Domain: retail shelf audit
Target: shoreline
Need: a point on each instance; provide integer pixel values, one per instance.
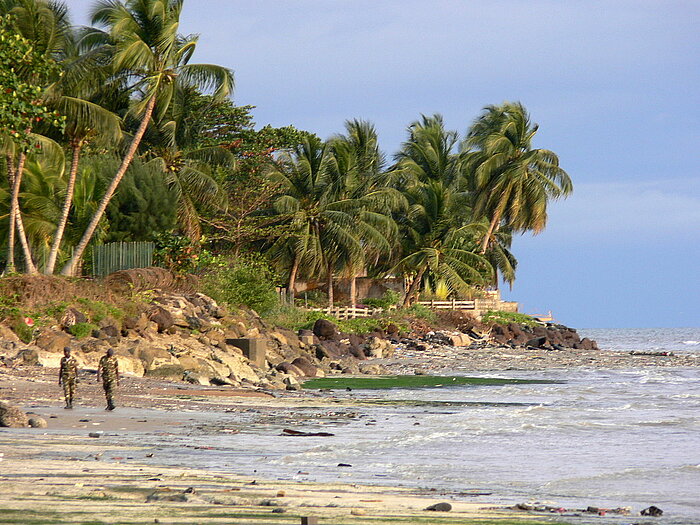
(40, 467)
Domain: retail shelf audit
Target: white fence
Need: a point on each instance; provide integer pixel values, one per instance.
(348, 312)
(449, 305)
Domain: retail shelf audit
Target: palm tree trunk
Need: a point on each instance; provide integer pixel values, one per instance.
(415, 285)
(71, 265)
(492, 228)
(330, 285)
(10, 266)
(293, 276)
(58, 237)
(353, 290)
(16, 220)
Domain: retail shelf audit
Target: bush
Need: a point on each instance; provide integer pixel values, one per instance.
(389, 299)
(499, 317)
(24, 331)
(247, 282)
(81, 330)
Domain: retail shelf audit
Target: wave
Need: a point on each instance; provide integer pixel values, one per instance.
(691, 343)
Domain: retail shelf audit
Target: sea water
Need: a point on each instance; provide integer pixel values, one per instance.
(604, 438)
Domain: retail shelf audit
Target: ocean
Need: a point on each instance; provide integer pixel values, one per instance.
(603, 438)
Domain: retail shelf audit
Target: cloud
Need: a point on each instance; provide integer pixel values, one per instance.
(629, 211)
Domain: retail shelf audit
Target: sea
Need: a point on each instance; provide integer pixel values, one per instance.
(601, 438)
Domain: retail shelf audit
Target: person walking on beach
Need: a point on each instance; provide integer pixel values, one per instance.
(68, 376)
(108, 370)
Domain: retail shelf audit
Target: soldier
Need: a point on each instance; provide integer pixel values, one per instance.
(68, 376)
(108, 370)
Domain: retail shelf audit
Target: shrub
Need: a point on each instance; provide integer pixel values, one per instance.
(81, 330)
(24, 331)
(499, 317)
(389, 299)
(248, 282)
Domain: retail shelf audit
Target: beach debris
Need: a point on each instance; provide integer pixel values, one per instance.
(278, 510)
(344, 465)
(37, 422)
(539, 507)
(309, 520)
(652, 511)
(440, 507)
(358, 512)
(653, 354)
(95, 434)
(281, 494)
(290, 432)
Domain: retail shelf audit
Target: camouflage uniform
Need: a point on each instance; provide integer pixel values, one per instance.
(109, 370)
(68, 376)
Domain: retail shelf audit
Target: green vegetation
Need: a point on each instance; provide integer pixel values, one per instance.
(112, 133)
(417, 381)
(82, 330)
(498, 317)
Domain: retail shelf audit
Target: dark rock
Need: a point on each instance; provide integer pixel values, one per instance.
(392, 329)
(162, 317)
(324, 329)
(308, 368)
(536, 342)
(440, 507)
(652, 511)
(53, 341)
(139, 322)
(109, 331)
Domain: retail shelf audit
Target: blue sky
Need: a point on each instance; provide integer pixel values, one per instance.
(614, 86)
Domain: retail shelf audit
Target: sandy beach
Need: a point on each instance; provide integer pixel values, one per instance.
(75, 472)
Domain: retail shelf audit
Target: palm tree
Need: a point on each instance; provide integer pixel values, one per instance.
(437, 230)
(512, 181)
(356, 173)
(45, 24)
(144, 35)
(77, 97)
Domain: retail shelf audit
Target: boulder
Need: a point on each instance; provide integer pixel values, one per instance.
(459, 340)
(325, 329)
(139, 322)
(28, 356)
(378, 347)
(162, 317)
(37, 422)
(53, 341)
(307, 367)
(536, 342)
(12, 417)
(440, 507)
(155, 357)
(72, 316)
(288, 368)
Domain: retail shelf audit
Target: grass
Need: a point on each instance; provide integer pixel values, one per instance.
(498, 317)
(417, 381)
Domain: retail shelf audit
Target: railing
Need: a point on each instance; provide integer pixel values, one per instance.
(449, 305)
(348, 312)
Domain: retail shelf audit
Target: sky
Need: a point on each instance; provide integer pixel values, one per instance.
(614, 86)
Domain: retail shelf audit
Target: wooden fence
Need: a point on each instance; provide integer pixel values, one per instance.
(115, 256)
(449, 305)
(348, 312)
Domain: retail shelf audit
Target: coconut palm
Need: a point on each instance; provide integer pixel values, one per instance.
(437, 229)
(512, 181)
(147, 45)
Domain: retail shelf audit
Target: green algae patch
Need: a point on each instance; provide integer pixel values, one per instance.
(415, 381)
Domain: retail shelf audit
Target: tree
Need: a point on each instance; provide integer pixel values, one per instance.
(512, 181)
(26, 65)
(437, 230)
(144, 35)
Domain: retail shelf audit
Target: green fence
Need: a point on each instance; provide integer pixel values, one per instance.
(114, 256)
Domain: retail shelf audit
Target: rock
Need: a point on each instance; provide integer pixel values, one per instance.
(12, 417)
(162, 317)
(440, 507)
(307, 367)
(459, 340)
(325, 329)
(72, 316)
(653, 511)
(378, 348)
(37, 422)
(288, 368)
(28, 356)
(536, 342)
(53, 341)
(153, 358)
(371, 369)
(108, 331)
(196, 378)
(291, 383)
(135, 323)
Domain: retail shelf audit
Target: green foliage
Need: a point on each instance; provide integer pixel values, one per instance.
(389, 299)
(499, 317)
(247, 281)
(9, 306)
(24, 331)
(415, 381)
(419, 311)
(24, 74)
(82, 330)
(96, 311)
(180, 254)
